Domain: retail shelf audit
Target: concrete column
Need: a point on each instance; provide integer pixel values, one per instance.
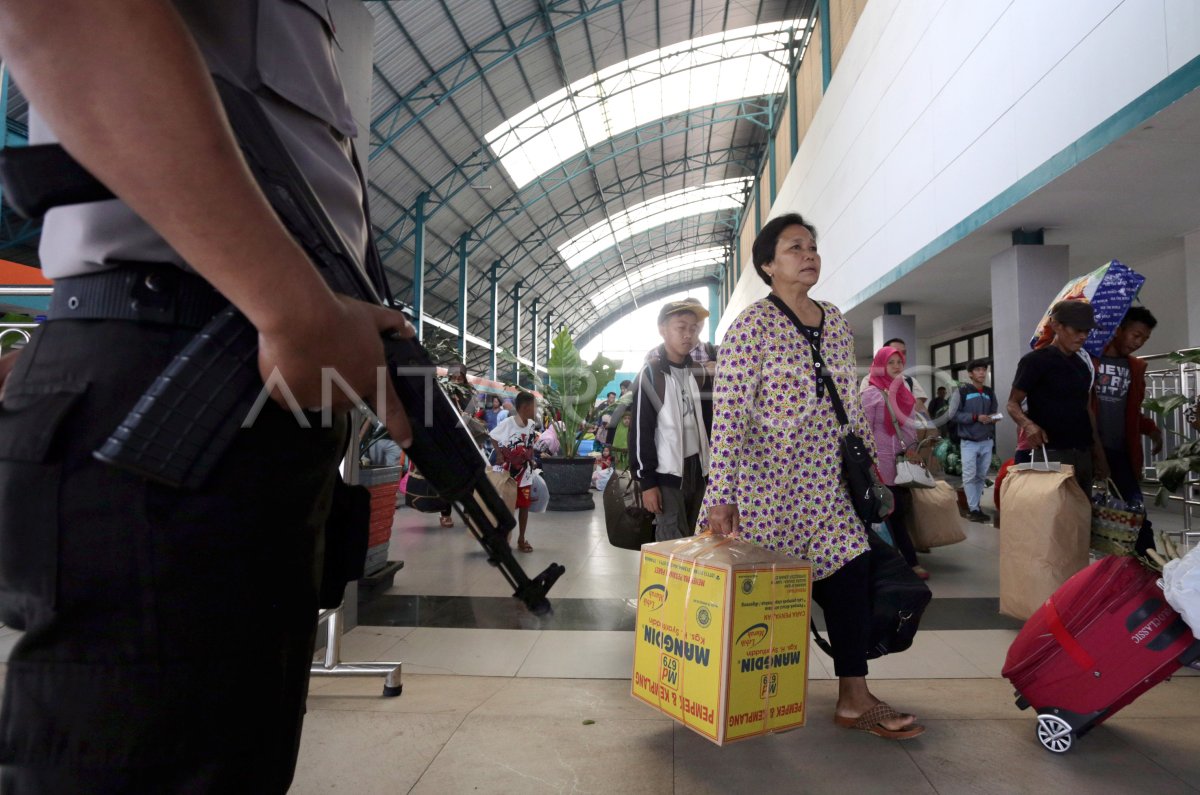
(714, 309)
(533, 322)
(418, 296)
(549, 334)
(3, 116)
(897, 326)
(494, 282)
(1025, 280)
(516, 332)
(1191, 276)
(462, 296)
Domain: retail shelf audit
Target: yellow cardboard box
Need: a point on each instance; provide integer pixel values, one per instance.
(722, 636)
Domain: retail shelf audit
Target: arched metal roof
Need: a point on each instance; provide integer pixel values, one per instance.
(450, 72)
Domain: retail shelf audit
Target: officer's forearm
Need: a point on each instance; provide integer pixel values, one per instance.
(123, 86)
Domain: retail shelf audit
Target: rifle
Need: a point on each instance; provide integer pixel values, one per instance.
(186, 420)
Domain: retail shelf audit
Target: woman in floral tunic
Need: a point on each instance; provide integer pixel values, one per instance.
(775, 474)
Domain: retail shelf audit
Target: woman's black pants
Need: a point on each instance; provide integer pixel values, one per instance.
(845, 599)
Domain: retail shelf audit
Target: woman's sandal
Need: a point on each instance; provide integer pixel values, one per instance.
(447, 521)
(871, 721)
(524, 546)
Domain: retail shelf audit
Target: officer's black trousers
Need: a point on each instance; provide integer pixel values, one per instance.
(168, 634)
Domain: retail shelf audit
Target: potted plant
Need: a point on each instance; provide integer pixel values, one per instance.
(568, 392)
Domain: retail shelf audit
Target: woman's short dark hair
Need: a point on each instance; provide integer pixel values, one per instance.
(763, 250)
(523, 399)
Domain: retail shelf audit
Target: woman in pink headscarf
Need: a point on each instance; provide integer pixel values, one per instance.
(889, 407)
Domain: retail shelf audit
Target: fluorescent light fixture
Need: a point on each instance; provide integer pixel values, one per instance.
(684, 203)
(722, 67)
(693, 260)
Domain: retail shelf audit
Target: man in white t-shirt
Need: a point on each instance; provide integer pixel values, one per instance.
(514, 437)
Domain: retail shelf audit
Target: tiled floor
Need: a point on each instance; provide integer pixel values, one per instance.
(518, 721)
(498, 701)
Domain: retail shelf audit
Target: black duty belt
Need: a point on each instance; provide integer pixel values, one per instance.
(159, 294)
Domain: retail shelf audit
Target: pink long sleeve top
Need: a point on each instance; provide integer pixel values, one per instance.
(887, 445)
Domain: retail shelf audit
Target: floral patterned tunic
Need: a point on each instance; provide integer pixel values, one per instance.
(774, 445)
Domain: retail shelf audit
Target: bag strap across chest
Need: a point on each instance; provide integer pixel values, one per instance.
(821, 369)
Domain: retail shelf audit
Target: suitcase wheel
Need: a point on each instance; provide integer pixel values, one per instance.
(1054, 733)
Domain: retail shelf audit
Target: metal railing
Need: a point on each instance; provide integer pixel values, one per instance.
(1164, 378)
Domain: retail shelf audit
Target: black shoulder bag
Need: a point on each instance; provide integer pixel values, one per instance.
(898, 596)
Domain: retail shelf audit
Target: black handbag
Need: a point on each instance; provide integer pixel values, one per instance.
(629, 525)
(898, 600)
(872, 500)
(421, 496)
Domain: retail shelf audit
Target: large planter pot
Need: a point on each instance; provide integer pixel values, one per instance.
(382, 483)
(569, 481)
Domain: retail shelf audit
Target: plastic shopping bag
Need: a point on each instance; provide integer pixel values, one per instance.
(1181, 586)
(1110, 289)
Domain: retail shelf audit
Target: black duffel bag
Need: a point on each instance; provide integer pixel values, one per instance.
(629, 525)
(898, 599)
(418, 494)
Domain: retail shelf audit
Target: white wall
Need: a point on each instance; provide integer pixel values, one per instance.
(938, 106)
(1161, 294)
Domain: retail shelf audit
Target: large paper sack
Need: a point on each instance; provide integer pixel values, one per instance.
(1044, 532)
(935, 521)
(1110, 289)
(505, 486)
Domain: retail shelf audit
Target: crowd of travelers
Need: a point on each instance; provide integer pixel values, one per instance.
(750, 447)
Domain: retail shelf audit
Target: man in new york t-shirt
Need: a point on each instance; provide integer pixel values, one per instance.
(1120, 388)
(1055, 384)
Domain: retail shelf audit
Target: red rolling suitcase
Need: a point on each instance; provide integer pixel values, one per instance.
(1104, 638)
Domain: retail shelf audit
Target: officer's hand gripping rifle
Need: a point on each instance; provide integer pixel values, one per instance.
(185, 421)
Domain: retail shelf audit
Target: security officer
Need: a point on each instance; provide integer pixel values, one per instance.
(169, 633)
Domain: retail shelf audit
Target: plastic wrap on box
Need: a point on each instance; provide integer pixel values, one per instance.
(721, 641)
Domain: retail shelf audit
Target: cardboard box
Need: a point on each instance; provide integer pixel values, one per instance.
(721, 641)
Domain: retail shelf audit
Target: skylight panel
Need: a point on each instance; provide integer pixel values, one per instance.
(649, 214)
(658, 270)
(720, 67)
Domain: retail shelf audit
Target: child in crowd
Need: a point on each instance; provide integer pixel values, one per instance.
(514, 437)
(602, 470)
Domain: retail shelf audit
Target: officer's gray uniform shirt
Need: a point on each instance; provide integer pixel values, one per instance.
(283, 51)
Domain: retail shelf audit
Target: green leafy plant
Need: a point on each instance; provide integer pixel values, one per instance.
(570, 387)
(1173, 472)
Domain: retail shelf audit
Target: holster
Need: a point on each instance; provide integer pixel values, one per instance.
(346, 532)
